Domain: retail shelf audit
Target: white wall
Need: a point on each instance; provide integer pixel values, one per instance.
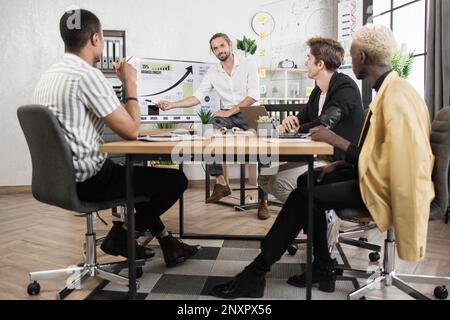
(170, 29)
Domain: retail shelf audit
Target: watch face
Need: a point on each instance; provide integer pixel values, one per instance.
(263, 23)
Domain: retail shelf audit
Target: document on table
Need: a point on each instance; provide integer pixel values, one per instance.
(280, 141)
(170, 138)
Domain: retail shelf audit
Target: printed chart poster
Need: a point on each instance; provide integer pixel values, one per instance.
(171, 80)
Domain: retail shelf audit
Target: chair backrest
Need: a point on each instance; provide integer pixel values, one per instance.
(440, 143)
(53, 179)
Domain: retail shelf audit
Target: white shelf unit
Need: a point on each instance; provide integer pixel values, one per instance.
(286, 99)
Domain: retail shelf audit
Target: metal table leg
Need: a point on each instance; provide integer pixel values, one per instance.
(310, 227)
(131, 229)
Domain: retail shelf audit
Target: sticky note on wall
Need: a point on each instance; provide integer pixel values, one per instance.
(262, 73)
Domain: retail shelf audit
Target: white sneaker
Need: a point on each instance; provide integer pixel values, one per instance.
(333, 224)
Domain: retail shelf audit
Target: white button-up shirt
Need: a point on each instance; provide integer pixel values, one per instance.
(243, 82)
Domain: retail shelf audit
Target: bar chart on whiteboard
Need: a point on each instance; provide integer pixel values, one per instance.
(171, 80)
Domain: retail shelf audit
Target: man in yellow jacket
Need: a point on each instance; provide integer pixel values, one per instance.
(389, 173)
(395, 160)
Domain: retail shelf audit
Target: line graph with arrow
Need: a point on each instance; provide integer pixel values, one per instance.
(172, 80)
(188, 72)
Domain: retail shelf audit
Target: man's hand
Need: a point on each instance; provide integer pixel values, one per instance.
(323, 134)
(291, 124)
(126, 72)
(280, 129)
(165, 105)
(337, 165)
(222, 114)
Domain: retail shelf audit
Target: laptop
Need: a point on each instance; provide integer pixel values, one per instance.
(252, 114)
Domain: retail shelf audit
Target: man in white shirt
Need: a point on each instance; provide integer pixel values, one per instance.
(236, 81)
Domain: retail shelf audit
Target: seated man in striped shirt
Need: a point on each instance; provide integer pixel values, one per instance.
(83, 102)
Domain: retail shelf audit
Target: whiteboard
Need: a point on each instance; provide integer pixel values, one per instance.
(171, 80)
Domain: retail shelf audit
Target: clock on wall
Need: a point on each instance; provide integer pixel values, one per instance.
(263, 23)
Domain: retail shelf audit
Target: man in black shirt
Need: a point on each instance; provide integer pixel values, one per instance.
(335, 103)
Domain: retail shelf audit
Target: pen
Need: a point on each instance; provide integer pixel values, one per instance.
(115, 63)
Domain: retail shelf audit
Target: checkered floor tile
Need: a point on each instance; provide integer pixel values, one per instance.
(217, 262)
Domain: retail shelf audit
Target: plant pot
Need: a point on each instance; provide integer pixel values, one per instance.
(207, 130)
(266, 130)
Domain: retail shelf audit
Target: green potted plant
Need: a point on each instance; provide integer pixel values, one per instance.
(247, 45)
(206, 129)
(265, 127)
(402, 61)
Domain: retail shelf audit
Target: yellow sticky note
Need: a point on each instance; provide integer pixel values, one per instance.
(263, 19)
(262, 73)
(262, 52)
(262, 36)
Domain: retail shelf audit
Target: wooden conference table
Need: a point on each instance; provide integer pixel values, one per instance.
(231, 149)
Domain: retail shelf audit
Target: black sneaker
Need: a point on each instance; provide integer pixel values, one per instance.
(116, 244)
(175, 251)
(323, 274)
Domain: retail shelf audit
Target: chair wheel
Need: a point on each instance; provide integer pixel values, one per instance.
(139, 272)
(441, 292)
(292, 250)
(34, 288)
(374, 256)
(363, 239)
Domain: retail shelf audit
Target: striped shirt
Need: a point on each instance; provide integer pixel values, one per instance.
(80, 97)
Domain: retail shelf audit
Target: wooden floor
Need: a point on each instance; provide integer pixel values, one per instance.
(35, 236)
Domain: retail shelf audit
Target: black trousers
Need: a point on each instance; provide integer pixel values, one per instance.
(164, 186)
(338, 190)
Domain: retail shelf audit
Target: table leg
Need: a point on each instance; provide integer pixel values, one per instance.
(131, 229)
(181, 209)
(310, 227)
(207, 182)
(242, 181)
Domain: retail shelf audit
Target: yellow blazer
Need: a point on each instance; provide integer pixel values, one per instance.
(395, 166)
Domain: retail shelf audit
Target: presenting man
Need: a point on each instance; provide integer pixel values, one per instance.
(236, 81)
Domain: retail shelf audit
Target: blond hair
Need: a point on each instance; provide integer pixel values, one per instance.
(378, 43)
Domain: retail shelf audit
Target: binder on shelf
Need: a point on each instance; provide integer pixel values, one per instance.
(110, 55)
(117, 51)
(104, 62)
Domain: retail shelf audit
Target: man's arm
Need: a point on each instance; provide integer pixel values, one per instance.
(202, 90)
(323, 134)
(247, 102)
(125, 121)
(185, 103)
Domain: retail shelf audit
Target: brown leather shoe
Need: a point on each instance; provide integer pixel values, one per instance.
(263, 211)
(219, 192)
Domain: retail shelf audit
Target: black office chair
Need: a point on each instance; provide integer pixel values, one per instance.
(386, 275)
(53, 182)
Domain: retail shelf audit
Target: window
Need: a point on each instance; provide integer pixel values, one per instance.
(408, 21)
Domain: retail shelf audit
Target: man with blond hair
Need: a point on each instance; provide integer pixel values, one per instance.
(388, 173)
